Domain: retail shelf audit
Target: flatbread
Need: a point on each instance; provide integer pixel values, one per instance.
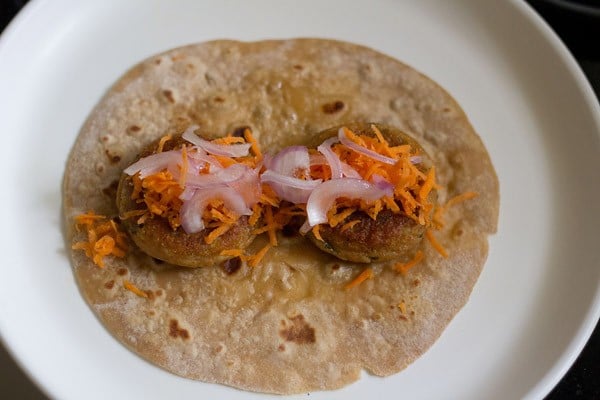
(286, 326)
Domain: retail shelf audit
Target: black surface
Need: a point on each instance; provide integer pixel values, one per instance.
(577, 22)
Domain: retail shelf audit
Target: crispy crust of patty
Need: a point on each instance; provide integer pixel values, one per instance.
(388, 237)
(156, 238)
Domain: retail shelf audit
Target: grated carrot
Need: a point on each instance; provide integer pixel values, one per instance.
(316, 230)
(161, 143)
(438, 214)
(270, 223)
(256, 213)
(253, 143)
(215, 233)
(229, 140)
(134, 289)
(403, 268)
(402, 307)
(428, 185)
(367, 273)
(256, 258)
(234, 253)
(103, 239)
(436, 245)
(349, 225)
(338, 218)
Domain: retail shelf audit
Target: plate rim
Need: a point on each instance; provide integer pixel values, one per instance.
(592, 317)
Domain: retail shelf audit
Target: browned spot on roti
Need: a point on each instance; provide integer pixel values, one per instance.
(175, 331)
(298, 67)
(169, 95)
(150, 294)
(218, 99)
(122, 271)
(110, 284)
(403, 318)
(281, 347)
(335, 267)
(158, 61)
(333, 107)
(159, 292)
(299, 331)
(113, 158)
(232, 265)
(416, 282)
(133, 129)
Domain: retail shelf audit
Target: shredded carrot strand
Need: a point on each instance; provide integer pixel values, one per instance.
(134, 289)
(255, 259)
(349, 225)
(215, 233)
(436, 245)
(229, 140)
(367, 273)
(161, 143)
(253, 143)
(403, 268)
(103, 238)
(271, 226)
(316, 230)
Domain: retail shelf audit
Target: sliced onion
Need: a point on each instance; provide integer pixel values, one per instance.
(237, 176)
(332, 159)
(289, 188)
(347, 170)
(291, 161)
(193, 209)
(200, 156)
(229, 150)
(317, 159)
(155, 163)
(361, 149)
(247, 185)
(416, 159)
(305, 227)
(323, 197)
(350, 172)
(381, 182)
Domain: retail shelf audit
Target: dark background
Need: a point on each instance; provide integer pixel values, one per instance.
(577, 22)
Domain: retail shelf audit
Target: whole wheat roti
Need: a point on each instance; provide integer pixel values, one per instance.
(286, 326)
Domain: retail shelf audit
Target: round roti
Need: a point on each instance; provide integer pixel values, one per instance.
(287, 325)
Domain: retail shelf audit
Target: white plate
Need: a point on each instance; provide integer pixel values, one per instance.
(538, 297)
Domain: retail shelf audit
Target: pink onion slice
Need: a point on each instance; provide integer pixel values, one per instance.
(237, 176)
(381, 182)
(192, 210)
(155, 163)
(288, 188)
(292, 161)
(416, 159)
(229, 150)
(198, 156)
(332, 159)
(350, 172)
(247, 184)
(347, 170)
(323, 197)
(361, 149)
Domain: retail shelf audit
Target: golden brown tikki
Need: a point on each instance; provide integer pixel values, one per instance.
(181, 204)
(378, 197)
